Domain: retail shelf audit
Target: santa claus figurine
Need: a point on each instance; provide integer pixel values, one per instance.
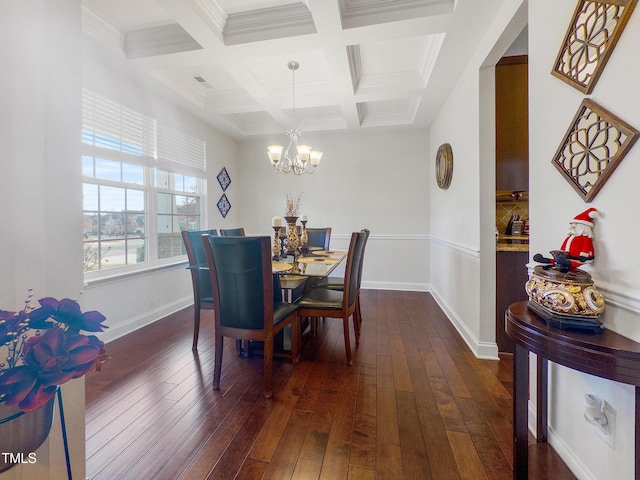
(577, 248)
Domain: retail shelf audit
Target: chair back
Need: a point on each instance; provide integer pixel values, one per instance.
(241, 280)
(198, 258)
(356, 247)
(319, 237)
(366, 238)
(232, 232)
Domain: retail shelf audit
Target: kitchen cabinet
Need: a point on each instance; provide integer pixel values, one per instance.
(512, 124)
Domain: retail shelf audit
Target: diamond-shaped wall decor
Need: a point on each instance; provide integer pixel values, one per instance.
(224, 205)
(223, 179)
(594, 145)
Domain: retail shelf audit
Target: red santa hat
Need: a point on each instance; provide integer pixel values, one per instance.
(586, 217)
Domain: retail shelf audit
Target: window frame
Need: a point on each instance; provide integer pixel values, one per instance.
(193, 165)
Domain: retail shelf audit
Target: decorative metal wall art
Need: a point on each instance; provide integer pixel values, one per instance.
(224, 179)
(444, 166)
(594, 145)
(224, 205)
(592, 35)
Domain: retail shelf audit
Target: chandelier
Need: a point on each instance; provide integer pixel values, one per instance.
(297, 158)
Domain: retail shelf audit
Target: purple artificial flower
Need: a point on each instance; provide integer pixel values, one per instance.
(68, 311)
(49, 360)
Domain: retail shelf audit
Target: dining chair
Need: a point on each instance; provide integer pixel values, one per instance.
(337, 283)
(232, 232)
(325, 302)
(319, 237)
(242, 284)
(202, 297)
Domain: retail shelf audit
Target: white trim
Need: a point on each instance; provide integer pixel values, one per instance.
(147, 318)
(116, 277)
(567, 455)
(347, 236)
(617, 296)
(474, 252)
(400, 286)
(482, 350)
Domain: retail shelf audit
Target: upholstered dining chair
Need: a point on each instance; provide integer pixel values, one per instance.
(324, 302)
(337, 283)
(319, 237)
(202, 297)
(232, 232)
(242, 285)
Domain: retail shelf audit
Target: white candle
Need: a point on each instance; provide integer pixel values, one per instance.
(276, 222)
(303, 218)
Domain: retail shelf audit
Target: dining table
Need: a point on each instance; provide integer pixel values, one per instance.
(297, 275)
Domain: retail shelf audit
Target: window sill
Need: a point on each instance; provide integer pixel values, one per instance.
(115, 278)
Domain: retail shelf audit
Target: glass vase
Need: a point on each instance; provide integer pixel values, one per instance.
(21, 433)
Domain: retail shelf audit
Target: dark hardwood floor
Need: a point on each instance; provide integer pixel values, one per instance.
(416, 404)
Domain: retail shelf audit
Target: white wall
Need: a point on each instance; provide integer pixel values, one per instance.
(41, 181)
(462, 261)
(616, 269)
(374, 179)
(134, 301)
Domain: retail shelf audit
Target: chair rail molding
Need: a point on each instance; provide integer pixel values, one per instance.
(471, 251)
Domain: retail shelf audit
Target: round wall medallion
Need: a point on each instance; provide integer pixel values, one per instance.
(444, 165)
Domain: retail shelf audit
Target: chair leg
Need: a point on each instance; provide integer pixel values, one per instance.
(295, 340)
(217, 367)
(196, 326)
(268, 367)
(358, 312)
(314, 326)
(347, 340)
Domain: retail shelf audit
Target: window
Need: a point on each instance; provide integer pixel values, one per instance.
(143, 183)
(176, 212)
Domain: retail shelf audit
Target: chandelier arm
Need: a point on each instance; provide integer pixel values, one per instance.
(294, 159)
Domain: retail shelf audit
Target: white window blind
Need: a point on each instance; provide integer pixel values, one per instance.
(107, 124)
(180, 152)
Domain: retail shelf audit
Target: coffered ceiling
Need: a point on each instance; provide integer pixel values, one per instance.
(363, 63)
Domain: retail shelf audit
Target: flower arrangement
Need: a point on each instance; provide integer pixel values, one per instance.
(292, 205)
(37, 363)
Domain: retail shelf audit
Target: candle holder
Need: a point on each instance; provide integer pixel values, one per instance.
(293, 241)
(275, 250)
(304, 238)
(283, 239)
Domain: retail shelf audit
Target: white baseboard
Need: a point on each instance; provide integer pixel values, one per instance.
(140, 321)
(567, 455)
(483, 350)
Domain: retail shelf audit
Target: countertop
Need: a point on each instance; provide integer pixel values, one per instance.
(512, 243)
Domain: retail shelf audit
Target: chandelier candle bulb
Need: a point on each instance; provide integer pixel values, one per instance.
(314, 158)
(275, 153)
(303, 218)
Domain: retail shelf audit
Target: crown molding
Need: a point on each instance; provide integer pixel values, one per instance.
(268, 23)
(101, 30)
(213, 12)
(359, 13)
(160, 40)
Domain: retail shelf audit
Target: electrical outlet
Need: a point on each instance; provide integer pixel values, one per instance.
(608, 431)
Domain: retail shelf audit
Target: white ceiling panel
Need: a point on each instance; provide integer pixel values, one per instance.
(363, 63)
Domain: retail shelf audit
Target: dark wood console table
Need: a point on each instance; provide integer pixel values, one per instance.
(607, 355)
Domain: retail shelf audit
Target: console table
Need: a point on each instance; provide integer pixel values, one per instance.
(606, 355)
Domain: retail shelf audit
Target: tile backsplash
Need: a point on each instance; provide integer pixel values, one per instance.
(504, 210)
